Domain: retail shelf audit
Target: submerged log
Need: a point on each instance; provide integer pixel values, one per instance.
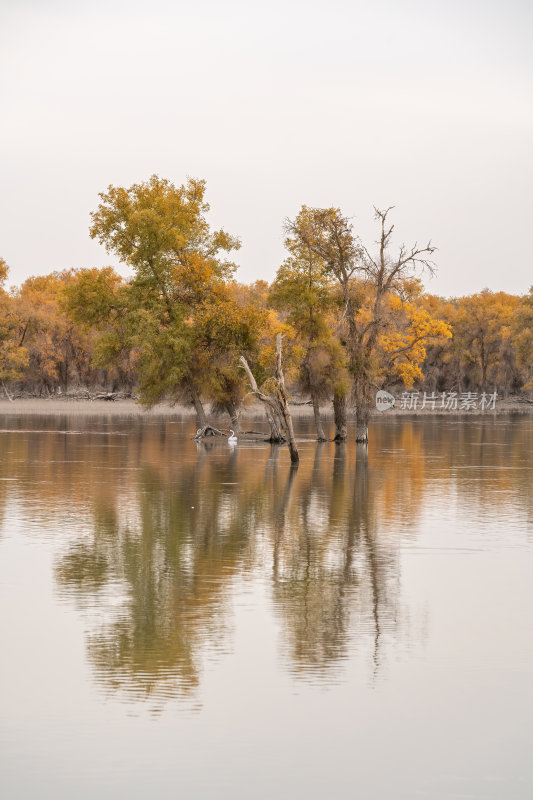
(208, 430)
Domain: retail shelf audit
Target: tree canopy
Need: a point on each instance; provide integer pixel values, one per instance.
(353, 318)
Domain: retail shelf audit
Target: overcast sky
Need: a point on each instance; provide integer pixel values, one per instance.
(419, 104)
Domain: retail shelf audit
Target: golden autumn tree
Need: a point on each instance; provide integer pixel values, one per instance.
(366, 282)
(59, 350)
(522, 335)
(97, 300)
(258, 367)
(161, 231)
(13, 354)
(482, 348)
(409, 328)
(225, 328)
(304, 292)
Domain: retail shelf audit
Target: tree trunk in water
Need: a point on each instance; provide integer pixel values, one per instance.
(293, 450)
(361, 433)
(201, 419)
(276, 405)
(339, 413)
(276, 436)
(233, 416)
(284, 405)
(320, 435)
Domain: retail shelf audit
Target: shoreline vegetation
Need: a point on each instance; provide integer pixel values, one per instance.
(81, 405)
(339, 321)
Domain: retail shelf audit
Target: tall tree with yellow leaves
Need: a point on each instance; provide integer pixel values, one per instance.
(366, 283)
(304, 292)
(59, 350)
(522, 332)
(161, 231)
(13, 354)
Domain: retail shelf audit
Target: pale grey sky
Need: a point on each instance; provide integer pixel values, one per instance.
(419, 104)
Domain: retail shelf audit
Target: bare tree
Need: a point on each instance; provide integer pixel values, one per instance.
(278, 402)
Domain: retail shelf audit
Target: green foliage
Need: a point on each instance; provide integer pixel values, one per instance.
(304, 292)
(161, 231)
(178, 311)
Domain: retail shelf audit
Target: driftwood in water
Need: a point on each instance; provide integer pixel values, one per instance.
(208, 430)
(7, 393)
(277, 405)
(106, 396)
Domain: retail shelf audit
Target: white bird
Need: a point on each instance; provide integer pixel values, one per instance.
(232, 439)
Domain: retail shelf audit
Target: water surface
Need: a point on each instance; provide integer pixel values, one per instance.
(200, 621)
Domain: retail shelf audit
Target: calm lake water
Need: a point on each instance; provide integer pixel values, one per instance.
(194, 621)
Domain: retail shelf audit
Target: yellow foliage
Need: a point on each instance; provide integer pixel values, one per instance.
(404, 347)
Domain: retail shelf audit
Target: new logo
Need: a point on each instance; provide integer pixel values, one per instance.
(384, 400)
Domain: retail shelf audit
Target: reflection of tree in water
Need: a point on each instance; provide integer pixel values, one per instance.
(161, 572)
(176, 563)
(158, 570)
(3, 482)
(334, 582)
(156, 576)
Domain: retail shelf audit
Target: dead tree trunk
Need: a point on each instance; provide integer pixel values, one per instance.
(284, 404)
(271, 413)
(276, 435)
(7, 393)
(278, 412)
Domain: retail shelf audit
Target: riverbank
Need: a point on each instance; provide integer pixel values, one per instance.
(57, 406)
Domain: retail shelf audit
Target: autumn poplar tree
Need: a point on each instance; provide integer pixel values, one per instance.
(522, 333)
(482, 325)
(99, 300)
(162, 233)
(304, 291)
(60, 351)
(13, 354)
(365, 281)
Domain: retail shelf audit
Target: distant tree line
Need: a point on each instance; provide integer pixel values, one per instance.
(352, 320)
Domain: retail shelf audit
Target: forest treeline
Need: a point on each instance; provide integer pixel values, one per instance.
(353, 319)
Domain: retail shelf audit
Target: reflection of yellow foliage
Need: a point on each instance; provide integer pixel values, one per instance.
(176, 530)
